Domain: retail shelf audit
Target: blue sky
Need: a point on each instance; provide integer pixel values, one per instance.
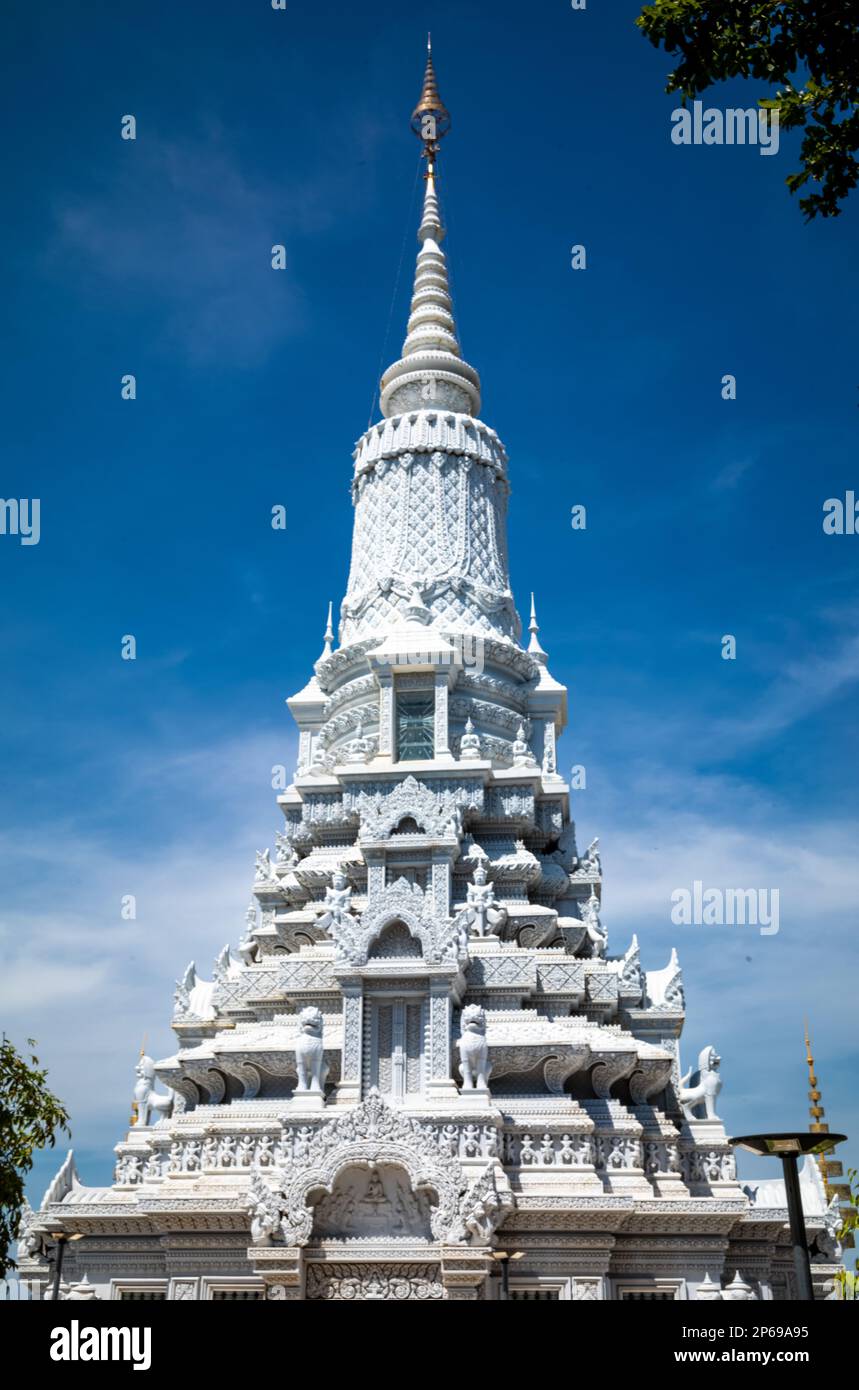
(152, 777)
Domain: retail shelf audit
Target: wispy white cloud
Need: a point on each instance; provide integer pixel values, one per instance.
(796, 678)
(185, 224)
(663, 826)
(88, 984)
(800, 688)
(43, 982)
(731, 474)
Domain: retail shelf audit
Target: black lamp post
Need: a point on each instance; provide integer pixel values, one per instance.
(62, 1239)
(789, 1148)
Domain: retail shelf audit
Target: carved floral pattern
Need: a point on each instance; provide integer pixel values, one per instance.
(365, 1282)
(437, 806)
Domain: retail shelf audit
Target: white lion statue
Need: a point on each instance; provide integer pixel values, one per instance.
(701, 1087)
(147, 1100)
(473, 1051)
(310, 1052)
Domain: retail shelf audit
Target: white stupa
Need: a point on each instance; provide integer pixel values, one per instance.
(422, 1053)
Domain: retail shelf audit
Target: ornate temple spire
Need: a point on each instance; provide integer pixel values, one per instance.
(429, 488)
(829, 1168)
(431, 372)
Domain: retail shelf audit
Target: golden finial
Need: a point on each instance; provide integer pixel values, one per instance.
(815, 1110)
(430, 118)
(829, 1168)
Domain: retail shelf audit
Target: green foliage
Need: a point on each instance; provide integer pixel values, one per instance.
(847, 1278)
(810, 50)
(30, 1117)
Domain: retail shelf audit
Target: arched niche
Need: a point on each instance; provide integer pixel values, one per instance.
(370, 1199)
(395, 941)
(371, 1135)
(407, 826)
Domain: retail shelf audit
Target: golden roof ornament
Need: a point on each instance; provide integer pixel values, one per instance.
(829, 1168)
(430, 118)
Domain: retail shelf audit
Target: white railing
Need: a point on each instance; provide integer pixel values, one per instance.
(14, 1290)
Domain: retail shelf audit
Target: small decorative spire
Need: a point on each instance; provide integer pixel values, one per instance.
(708, 1290)
(738, 1290)
(329, 633)
(534, 645)
(416, 609)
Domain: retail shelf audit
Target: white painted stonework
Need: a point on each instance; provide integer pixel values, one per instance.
(424, 1051)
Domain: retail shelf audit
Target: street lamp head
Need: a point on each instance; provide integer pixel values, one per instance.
(777, 1145)
(789, 1148)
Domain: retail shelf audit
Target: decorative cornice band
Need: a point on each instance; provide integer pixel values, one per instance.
(428, 431)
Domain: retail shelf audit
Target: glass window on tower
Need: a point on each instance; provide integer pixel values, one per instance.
(415, 725)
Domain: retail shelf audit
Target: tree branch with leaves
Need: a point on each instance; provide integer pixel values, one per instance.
(31, 1117)
(808, 48)
(846, 1279)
